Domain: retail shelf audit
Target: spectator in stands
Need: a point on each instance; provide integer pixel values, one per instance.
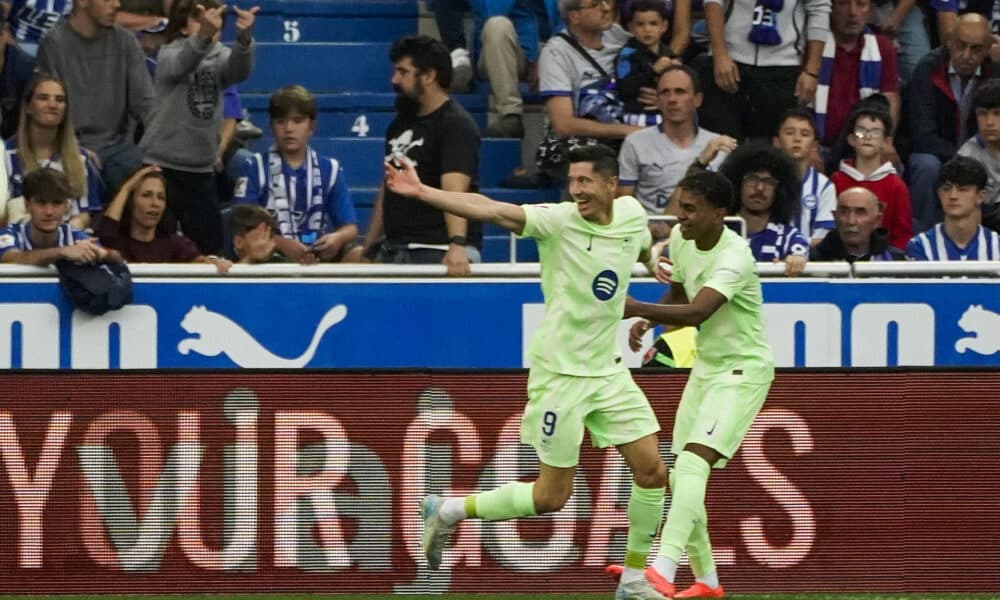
(961, 235)
(509, 34)
(449, 15)
(30, 20)
(985, 147)
(232, 152)
(253, 235)
(858, 235)
(856, 64)
(940, 115)
(869, 169)
(796, 137)
(16, 70)
(45, 139)
(767, 190)
(575, 77)
(305, 192)
(903, 21)
(437, 135)
(45, 238)
(133, 224)
(105, 73)
(182, 136)
(678, 35)
(642, 60)
(654, 159)
(765, 58)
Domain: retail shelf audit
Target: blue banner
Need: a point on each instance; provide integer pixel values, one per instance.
(435, 323)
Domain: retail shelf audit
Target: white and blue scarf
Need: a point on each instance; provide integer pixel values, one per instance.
(764, 29)
(869, 75)
(289, 224)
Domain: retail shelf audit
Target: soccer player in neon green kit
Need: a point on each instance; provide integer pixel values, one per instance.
(715, 288)
(587, 249)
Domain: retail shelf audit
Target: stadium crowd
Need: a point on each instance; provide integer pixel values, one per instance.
(850, 130)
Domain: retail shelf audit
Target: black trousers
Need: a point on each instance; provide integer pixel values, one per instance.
(192, 205)
(764, 93)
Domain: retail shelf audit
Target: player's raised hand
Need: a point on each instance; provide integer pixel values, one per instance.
(403, 181)
(245, 18)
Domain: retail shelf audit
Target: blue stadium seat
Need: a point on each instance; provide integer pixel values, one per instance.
(362, 158)
(322, 67)
(350, 114)
(335, 20)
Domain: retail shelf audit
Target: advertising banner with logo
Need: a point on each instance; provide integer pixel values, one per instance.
(435, 323)
(304, 481)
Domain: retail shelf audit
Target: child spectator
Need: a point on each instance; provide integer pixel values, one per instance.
(985, 147)
(45, 238)
(796, 137)
(182, 135)
(46, 139)
(869, 128)
(133, 224)
(253, 235)
(642, 60)
(307, 193)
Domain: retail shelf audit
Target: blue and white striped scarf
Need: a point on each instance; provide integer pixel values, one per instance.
(869, 75)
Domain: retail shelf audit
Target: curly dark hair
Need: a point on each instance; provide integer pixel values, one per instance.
(761, 156)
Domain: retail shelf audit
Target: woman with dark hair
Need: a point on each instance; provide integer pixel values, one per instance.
(133, 224)
(182, 134)
(46, 138)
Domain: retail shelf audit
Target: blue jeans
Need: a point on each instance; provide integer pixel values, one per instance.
(914, 43)
(922, 170)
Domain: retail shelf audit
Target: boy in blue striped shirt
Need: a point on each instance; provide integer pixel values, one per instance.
(960, 236)
(307, 193)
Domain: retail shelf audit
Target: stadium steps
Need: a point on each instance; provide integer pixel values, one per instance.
(362, 158)
(298, 21)
(352, 113)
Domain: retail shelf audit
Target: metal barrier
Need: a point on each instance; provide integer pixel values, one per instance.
(931, 269)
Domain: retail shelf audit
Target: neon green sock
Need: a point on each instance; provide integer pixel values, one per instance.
(699, 546)
(687, 506)
(699, 550)
(508, 501)
(645, 510)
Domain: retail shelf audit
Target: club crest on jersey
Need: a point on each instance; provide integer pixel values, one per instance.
(809, 201)
(605, 285)
(627, 246)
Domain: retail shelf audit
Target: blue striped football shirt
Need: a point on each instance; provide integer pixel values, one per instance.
(776, 241)
(819, 200)
(15, 237)
(934, 244)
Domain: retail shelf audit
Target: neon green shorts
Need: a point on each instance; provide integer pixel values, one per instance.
(717, 411)
(612, 408)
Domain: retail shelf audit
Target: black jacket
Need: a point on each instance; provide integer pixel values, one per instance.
(832, 248)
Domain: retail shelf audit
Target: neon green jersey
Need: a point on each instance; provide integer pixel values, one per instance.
(586, 268)
(733, 338)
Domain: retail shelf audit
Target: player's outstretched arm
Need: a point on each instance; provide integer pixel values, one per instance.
(405, 182)
(693, 314)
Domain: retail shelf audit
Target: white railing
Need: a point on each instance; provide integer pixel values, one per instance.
(927, 269)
